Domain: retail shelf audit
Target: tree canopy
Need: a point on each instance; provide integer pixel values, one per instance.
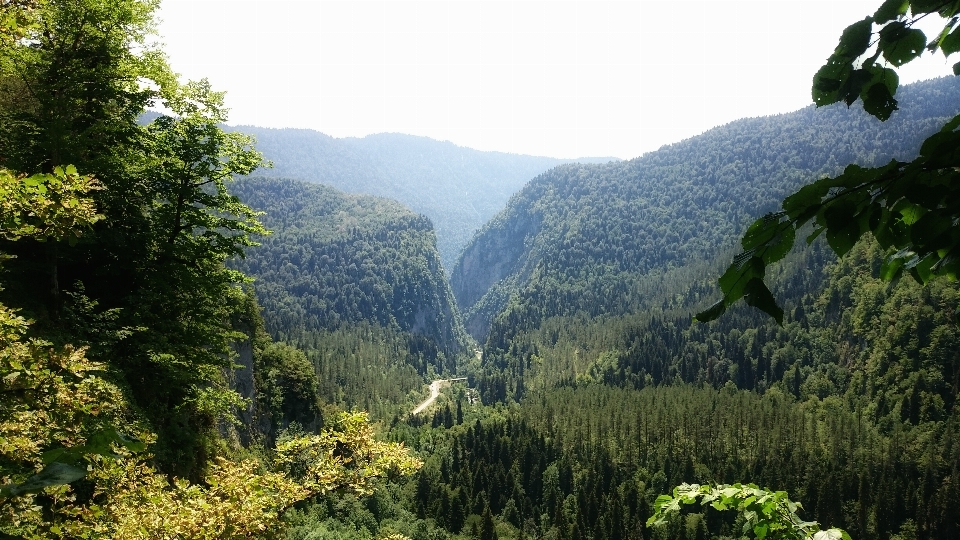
(910, 207)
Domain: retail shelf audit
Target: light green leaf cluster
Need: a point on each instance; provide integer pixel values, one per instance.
(47, 206)
(765, 513)
(344, 456)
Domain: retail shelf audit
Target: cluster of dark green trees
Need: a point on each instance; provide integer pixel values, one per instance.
(335, 260)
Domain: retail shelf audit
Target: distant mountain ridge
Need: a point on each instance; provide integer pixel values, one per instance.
(458, 188)
(336, 259)
(598, 238)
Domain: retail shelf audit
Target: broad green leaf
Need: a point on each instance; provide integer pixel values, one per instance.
(931, 231)
(910, 213)
(840, 220)
(760, 530)
(806, 201)
(758, 295)
(63, 455)
(828, 80)
(902, 46)
(842, 240)
(891, 268)
(54, 474)
(926, 6)
(853, 86)
(940, 142)
(735, 279)
(890, 10)
(879, 101)
(761, 232)
(956, 68)
(935, 42)
(950, 43)
(855, 38)
(813, 236)
(780, 245)
(952, 125)
(711, 313)
(662, 500)
(887, 76)
(921, 268)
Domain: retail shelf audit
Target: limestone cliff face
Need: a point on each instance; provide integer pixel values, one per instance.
(255, 423)
(491, 265)
(435, 314)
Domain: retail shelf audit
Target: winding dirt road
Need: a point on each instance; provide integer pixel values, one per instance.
(435, 387)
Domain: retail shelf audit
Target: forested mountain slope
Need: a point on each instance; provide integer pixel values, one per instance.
(458, 188)
(336, 260)
(603, 239)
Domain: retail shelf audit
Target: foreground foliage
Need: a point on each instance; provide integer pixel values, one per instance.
(910, 207)
(765, 512)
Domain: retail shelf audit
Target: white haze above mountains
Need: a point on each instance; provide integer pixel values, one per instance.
(561, 79)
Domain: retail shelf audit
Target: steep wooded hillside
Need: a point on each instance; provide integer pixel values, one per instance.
(602, 239)
(338, 260)
(458, 188)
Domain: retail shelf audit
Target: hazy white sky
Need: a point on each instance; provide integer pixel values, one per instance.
(556, 78)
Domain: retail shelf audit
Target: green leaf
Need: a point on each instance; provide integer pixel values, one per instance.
(54, 474)
(758, 295)
(956, 68)
(910, 213)
(735, 279)
(853, 86)
(856, 39)
(711, 313)
(902, 45)
(842, 240)
(662, 500)
(931, 231)
(780, 245)
(890, 10)
(761, 232)
(950, 43)
(63, 455)
(806, 201)
(828, 80)
(879, 101)
(922, 268)
(843, 229)
(891, 268)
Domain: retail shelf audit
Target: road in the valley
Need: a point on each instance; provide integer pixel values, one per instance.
(435, 387)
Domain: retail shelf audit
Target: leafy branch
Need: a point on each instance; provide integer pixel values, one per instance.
(765, 512)
(911, 208)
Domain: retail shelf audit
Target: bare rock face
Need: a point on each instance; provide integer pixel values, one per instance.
(497, 253)
(254, 423)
